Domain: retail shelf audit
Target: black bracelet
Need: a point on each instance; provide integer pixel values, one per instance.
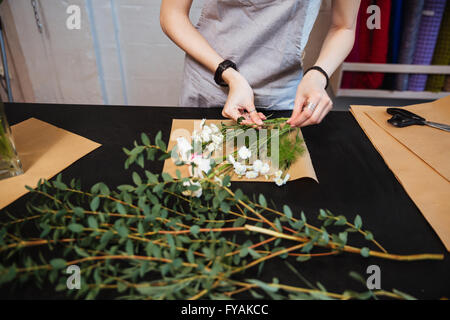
(220, 69)
(317, 68)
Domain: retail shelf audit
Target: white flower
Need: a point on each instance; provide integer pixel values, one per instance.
(231, 159)
(265, 169)
(278, 174)
(184, 148)
(217, 139)
(282, 181)
(214, 128)
(278, 181)
(239, 168)
(251, 174)
(257, 165)
(202, 123)
(261, 167)
(206, 134)
(189, 193)
(202, 165)
(244, 153)
(196, 138)
(211, 147)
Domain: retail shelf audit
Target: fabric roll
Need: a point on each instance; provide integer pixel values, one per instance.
(447, 84)
(441, 56)
(358, 53)
(379, 45)
(426, 40)
(411, 23)
(395, 34)
(394, 41)
(396, 30)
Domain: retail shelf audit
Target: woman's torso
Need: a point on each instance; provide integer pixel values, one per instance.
(265, 38)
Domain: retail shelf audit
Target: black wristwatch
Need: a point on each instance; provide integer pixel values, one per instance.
(220, 69)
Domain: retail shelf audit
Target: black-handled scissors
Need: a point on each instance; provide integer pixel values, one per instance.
(403, 118)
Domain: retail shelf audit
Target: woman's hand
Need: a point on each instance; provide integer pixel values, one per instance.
(312, 102)
(240, 101)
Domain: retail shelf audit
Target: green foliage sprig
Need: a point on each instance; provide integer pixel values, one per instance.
(291, 146)
(150, 240)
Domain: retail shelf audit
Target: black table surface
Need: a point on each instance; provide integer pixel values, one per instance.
(353, 180)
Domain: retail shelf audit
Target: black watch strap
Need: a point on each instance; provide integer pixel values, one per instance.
(317, 68)
(220, 69)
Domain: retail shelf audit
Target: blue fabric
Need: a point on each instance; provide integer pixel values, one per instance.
(396, 30)
(426, 41)
(411, 23)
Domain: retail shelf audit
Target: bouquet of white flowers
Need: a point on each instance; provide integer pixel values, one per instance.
(242, 150)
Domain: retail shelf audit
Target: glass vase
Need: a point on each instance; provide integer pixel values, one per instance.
(10, 165)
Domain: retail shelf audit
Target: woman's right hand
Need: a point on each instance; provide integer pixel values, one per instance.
(240, 101)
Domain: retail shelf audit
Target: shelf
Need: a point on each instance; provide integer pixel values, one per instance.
(361, 93)
(395, 68)
(388, 68)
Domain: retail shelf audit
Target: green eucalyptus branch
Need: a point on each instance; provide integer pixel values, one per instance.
(152, 240)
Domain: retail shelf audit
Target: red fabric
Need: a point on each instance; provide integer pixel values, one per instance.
(379, 45)
(360, 50)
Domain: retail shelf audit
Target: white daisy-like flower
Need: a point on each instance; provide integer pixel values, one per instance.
(282, 181)
(239, 168)
(206, 134)
(211, 147)
(278, 174)
(265, 169)
(189, 193)
(202, 165)
(244, 153)
(218, 180)
(251, 174)
(257, 165)
(214, 128)
(278, 181)
(217, 139)
(184, 148)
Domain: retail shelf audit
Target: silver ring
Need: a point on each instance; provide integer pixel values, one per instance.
(253, 110)
(311, 106)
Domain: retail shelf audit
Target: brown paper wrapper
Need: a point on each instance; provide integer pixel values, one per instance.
(301, 168)
(429, 144)
(44, 150)
(416, 155)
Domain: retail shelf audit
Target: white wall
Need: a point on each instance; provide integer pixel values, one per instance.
(141, 65)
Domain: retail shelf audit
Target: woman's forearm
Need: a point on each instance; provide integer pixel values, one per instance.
(336, 47)
(175, 23)
(341, 36)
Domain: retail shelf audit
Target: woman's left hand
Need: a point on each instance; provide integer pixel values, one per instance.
(312, 102)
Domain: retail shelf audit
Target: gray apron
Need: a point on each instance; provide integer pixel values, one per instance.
(265, 38)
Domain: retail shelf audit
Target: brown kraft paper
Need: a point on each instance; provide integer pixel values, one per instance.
(427, 187)
(44, 150)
